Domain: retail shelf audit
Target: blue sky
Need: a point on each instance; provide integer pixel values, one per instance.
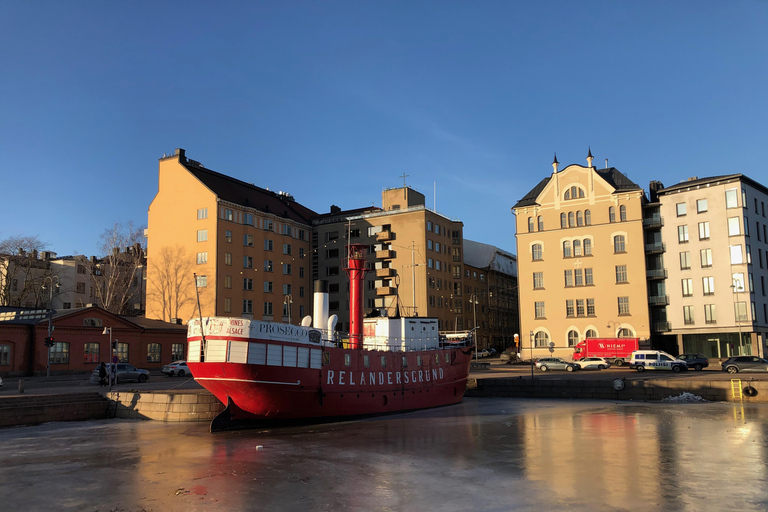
(333, 101)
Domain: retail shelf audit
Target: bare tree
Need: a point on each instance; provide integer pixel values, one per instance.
(22, 272)
(171, 284)
(118, 274)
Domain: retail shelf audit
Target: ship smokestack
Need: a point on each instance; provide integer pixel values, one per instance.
(320, 312)
(356, 271)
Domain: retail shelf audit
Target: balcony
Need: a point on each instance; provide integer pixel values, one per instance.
(655, 248)
(384, 236)
(386, 290)
(653, 222)
(386, 272)
(387, 254)
(661, 327)
(662, 300)
(656, 273)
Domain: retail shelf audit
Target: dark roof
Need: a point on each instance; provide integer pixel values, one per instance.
(148, 323)
(350, 213)
(611, 175)
(246, 194)
(714, 179)
(31, 316)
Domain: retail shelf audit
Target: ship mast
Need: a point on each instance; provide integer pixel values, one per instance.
(356, 271)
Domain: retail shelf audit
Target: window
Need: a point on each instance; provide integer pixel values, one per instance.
(740, 309)
(228, 258)
(202, 257)
(331, 235)
(248, 240)
(541, 339)
(738, 282)
(301, 253)
(536, 250)
(227, 304)
(703, 230)
(578, 279)
(177, 351)
(268, 244)
(701, 205)
(621, 273)
(732, 198)
(579, 218)
(248, 306)
(688, 315)
(587, 218)
(268, 267)
(287, 289)
(567, 249)
(287, 249)
(247, 262)
(227, 281)
(682, 234)
(733, 226)
(286, 269)
(587, 247)
(577, 247)
(530, 225)
(685, 260)
(591, 312)
(202, 281)
(541, 222)
(623, 305)
(228, 236)
(287, 230)
(226, 214)
(736, 254)
(202, 213)
(573, 338)
(591, 333)
(5, 355)
(579, 307)
(687, 287)
(268, 286)
(618, 243)
(90, 353)
(571, 220)
(539, 309)
(588, 277)
(623, 213)
(708, 285)
(563, 221)
(709, 314)
(80, 287)
(153, 353)
(202, 235)
(60, 353)
(680, 209)
(706, 258)
(248, 219)
(538, 279)
(569, 278)
(247, 284)
(611, 214)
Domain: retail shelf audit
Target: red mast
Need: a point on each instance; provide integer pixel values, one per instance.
(356, 271)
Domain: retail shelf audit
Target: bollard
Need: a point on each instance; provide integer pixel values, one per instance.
(21, 386)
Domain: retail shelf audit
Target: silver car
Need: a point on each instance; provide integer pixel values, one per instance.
(555, 363)
(594, 363)
(125, 372)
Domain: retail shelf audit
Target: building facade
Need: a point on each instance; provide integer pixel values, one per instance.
(715, 233)
(581, 260)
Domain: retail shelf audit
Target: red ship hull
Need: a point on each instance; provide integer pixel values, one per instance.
(343, 383)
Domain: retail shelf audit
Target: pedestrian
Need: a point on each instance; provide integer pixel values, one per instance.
(102, 374)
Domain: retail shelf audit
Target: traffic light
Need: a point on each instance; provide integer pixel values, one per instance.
(49, 341)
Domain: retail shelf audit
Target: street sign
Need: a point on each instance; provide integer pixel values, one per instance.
(114, 359)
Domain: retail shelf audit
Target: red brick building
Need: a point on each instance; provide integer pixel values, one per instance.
(82, 339)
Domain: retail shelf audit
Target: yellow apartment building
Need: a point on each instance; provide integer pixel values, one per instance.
(581, 260)
(249, 247)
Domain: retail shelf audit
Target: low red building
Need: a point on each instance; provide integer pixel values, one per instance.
(81, 339)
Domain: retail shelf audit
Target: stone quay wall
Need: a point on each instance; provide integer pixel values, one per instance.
(192, 405)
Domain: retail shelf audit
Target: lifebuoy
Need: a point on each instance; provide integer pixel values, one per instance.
(750, 391)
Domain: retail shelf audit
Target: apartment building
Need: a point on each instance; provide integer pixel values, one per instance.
(415, 259)
(581, 259)
(716, 237)
(248, 247)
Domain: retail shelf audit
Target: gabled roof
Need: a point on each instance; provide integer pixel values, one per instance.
(696, 182)
(530, 197)
(247, 194)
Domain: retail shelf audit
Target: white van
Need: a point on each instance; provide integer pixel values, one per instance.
(642, 360)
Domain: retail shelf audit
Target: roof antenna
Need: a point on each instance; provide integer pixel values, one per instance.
(606, 163)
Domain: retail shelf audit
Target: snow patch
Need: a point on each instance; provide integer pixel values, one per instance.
(685, 397)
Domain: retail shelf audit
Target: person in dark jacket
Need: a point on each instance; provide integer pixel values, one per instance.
(102, 374)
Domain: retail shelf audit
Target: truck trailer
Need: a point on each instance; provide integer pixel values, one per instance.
(616, 350)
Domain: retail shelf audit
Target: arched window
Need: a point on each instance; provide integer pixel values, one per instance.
(530, 224)
(153, 353)
(622, 213)
(541, 339)
(537, 252)
(587, 218)
(579, 218)
(618, 243)
(567, 249)
(587, 247)
(562, 221)
(573, 193)
(625, 333)
(541, 223)
(611, 214)
(567, 194)
(591, 333)
(577, 247)
(571, 220)
(573, 338)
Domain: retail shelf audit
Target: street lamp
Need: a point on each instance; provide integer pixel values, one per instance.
(737, 287)
(49, 340)
(287, 301)
(112, 365)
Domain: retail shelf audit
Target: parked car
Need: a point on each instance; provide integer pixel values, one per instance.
(481, 354)
(179, 368)
(555, 363)
(642, 360)
(125, 372)
(508, 356)
(745, 364)
(492, 351)
(594, 363)
(695, 361)
(1, 382)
